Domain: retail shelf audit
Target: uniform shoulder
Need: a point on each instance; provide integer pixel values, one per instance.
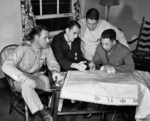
(26, 44)
(99, 47)
(123, 48)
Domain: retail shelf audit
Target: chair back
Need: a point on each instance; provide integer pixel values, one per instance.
(6, 51)
(143, 43)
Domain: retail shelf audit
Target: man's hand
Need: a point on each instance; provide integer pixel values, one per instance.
(30, 82)
(57, 76)
(79, 66)
(108, 68)
(92, 66)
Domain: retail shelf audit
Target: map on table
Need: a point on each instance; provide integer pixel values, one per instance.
(100, 87)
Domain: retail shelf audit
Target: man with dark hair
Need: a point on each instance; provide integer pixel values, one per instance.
(91, 30)
(92, 14)
(24, 65)
(66, 48)
(112, 55)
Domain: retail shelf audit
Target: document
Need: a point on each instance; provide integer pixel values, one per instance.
(101, 87)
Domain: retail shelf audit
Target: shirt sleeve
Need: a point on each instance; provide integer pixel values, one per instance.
(120, 37)
(52, 64)
(128, 66)
(9, 67)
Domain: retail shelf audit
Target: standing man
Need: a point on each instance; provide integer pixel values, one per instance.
(67, 48)
(91, 30)
(24, 64)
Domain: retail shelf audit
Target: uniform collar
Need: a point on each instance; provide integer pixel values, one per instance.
(34, 48)
(113, 48)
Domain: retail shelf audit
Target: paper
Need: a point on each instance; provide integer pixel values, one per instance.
(100, 87)
(110, 89)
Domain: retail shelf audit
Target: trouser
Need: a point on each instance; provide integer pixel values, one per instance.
(29, 95)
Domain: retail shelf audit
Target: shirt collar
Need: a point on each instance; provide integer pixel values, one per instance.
(66, 38)
(34, 47)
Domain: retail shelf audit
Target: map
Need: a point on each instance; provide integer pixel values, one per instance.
(100, 87)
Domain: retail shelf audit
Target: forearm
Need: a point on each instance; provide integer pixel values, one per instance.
(121, 38)
(12, 71)
(124, 68)
(97, 64)
(51, 61)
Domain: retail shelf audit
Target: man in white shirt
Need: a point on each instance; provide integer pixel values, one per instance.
(91, 30)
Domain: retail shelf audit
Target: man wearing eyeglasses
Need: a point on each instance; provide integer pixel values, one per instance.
(91, 30)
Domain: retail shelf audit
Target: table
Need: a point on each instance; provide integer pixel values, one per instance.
(55, 113)
(55, 100)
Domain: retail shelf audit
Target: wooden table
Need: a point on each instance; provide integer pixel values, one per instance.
(55, 101)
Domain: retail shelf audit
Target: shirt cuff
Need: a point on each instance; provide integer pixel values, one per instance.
(22, 78)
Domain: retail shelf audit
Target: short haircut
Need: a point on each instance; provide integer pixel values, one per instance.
(92, 14)
(35, 31)
(73, 23)
(109, 33)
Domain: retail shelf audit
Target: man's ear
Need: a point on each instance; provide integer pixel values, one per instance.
(114, 42)
(36, 36)
(67, 30)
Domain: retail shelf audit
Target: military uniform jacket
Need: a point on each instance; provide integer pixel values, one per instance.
(25, 60)
(119, 57)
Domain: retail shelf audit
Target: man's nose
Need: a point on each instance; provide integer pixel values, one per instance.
(48, 40)
(76, 36)
(104, 46)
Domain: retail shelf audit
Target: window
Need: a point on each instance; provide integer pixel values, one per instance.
(54, 14)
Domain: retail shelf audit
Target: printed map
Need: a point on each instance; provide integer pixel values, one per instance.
(101, 88)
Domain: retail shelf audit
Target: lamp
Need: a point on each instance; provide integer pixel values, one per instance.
(109, 3)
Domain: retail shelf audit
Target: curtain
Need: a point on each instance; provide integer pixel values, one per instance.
(28, 20)
(76, 9)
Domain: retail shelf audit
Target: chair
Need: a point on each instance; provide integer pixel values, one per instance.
(17, 101)
(141, 54)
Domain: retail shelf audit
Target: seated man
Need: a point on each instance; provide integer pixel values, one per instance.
(24, 64)
(66, 48)
(112, 55)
